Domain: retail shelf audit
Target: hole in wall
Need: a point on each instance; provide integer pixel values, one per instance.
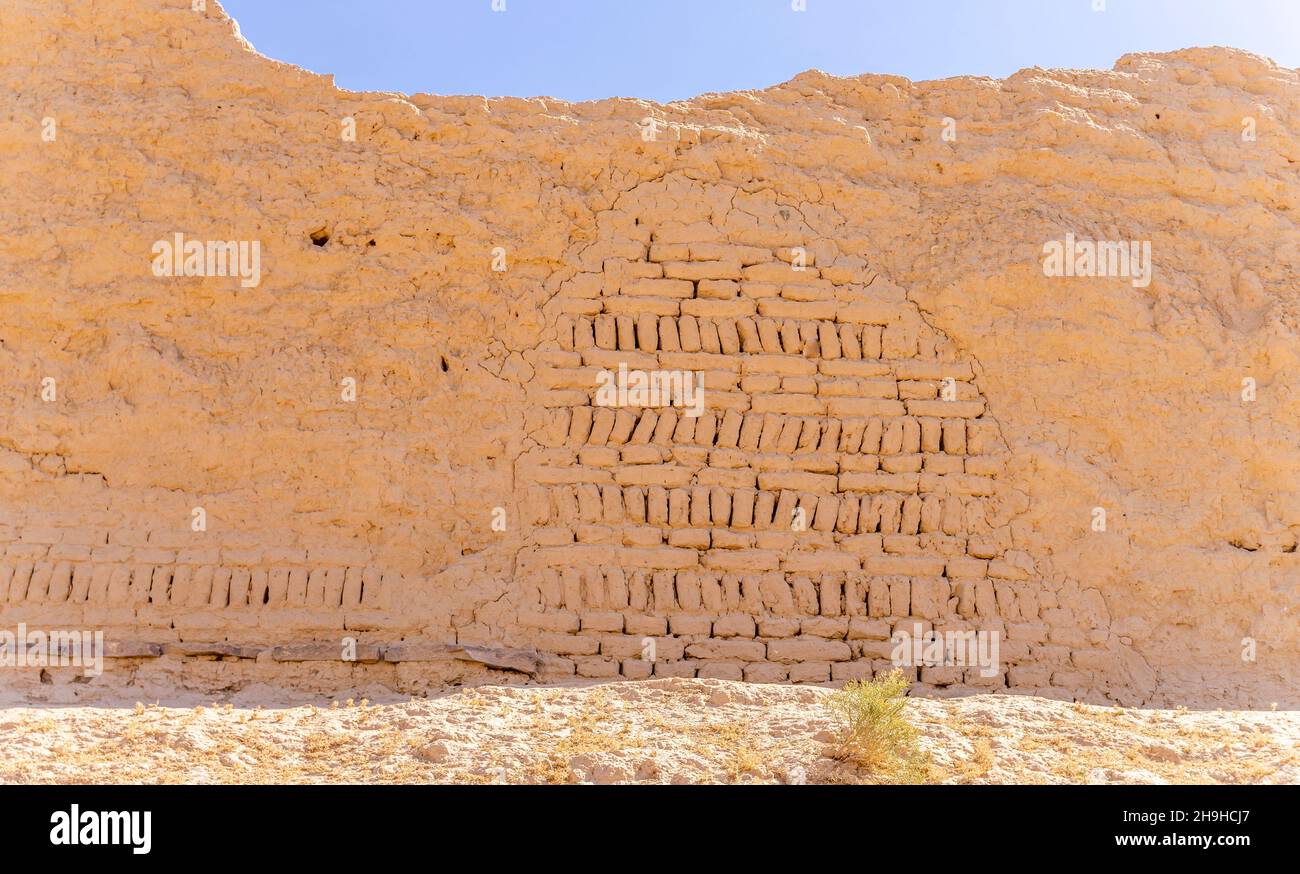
(320, 237)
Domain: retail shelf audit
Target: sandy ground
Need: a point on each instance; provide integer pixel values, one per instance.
(656, 731)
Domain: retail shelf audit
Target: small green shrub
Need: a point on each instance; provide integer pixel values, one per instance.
(872, 731)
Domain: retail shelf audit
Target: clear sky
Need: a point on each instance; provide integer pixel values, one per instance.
(673, 49)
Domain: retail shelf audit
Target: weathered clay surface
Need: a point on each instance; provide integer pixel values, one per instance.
(373, 519)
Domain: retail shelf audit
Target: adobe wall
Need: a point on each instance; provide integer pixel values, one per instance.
(818, 251)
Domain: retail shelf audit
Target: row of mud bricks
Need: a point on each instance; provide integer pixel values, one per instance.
(134, 584)
(775, 627)
(666, 515)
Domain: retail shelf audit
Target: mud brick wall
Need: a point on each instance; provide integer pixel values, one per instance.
(906, 421)
(830, 491)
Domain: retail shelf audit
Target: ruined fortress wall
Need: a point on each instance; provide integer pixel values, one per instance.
(904, 419)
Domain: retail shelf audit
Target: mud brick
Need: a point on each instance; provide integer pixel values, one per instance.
(830, 592)
(646, 626)
(810, 672)
(1070, 637)
(874, 649)
(819, 561)
(688, 591)
(670, 252)
(684, 669)
(954, 436)
(942, 675)
(964, 593)
(1014, 651)
(905, 483)
(913, 389)
(710, 591)
(929, 597)
(745, 650)
(879, 601)
(985, 599)
(868, 629)
(975, 677)
(910, 522)
(725, 313)
(558, 621)
(777, 627)
(636, 669)
(700, 539)
(900, 597)
(60, 582)
(942, 465)
(322, 652)
(720, 670)
(666, 475)
(664, 591)
(708, 331)
(1092, 659)
(602, 621)
(690, 625)
(734, 625)
(781, 308)
(826, 627)
(805, 596)
(661, 288)
(700, 506)
(766, 672)
(946, 409)
(797, 481)
(1027, 632)
(776, 272)
(1028, 675)
(566, 644)
(605, 333)
(859, 670)
(808, 649)
(753, 560)
(720, 289)
(901, 565)
(1005, 570)
(697, 270)
(1008, 609)
(728, 338)
(131, 649)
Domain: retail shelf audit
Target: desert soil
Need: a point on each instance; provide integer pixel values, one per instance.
(656, 731)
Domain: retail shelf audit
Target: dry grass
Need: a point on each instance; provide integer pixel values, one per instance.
(872, 731)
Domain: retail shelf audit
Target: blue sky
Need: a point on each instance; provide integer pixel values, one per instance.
(673, 49)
